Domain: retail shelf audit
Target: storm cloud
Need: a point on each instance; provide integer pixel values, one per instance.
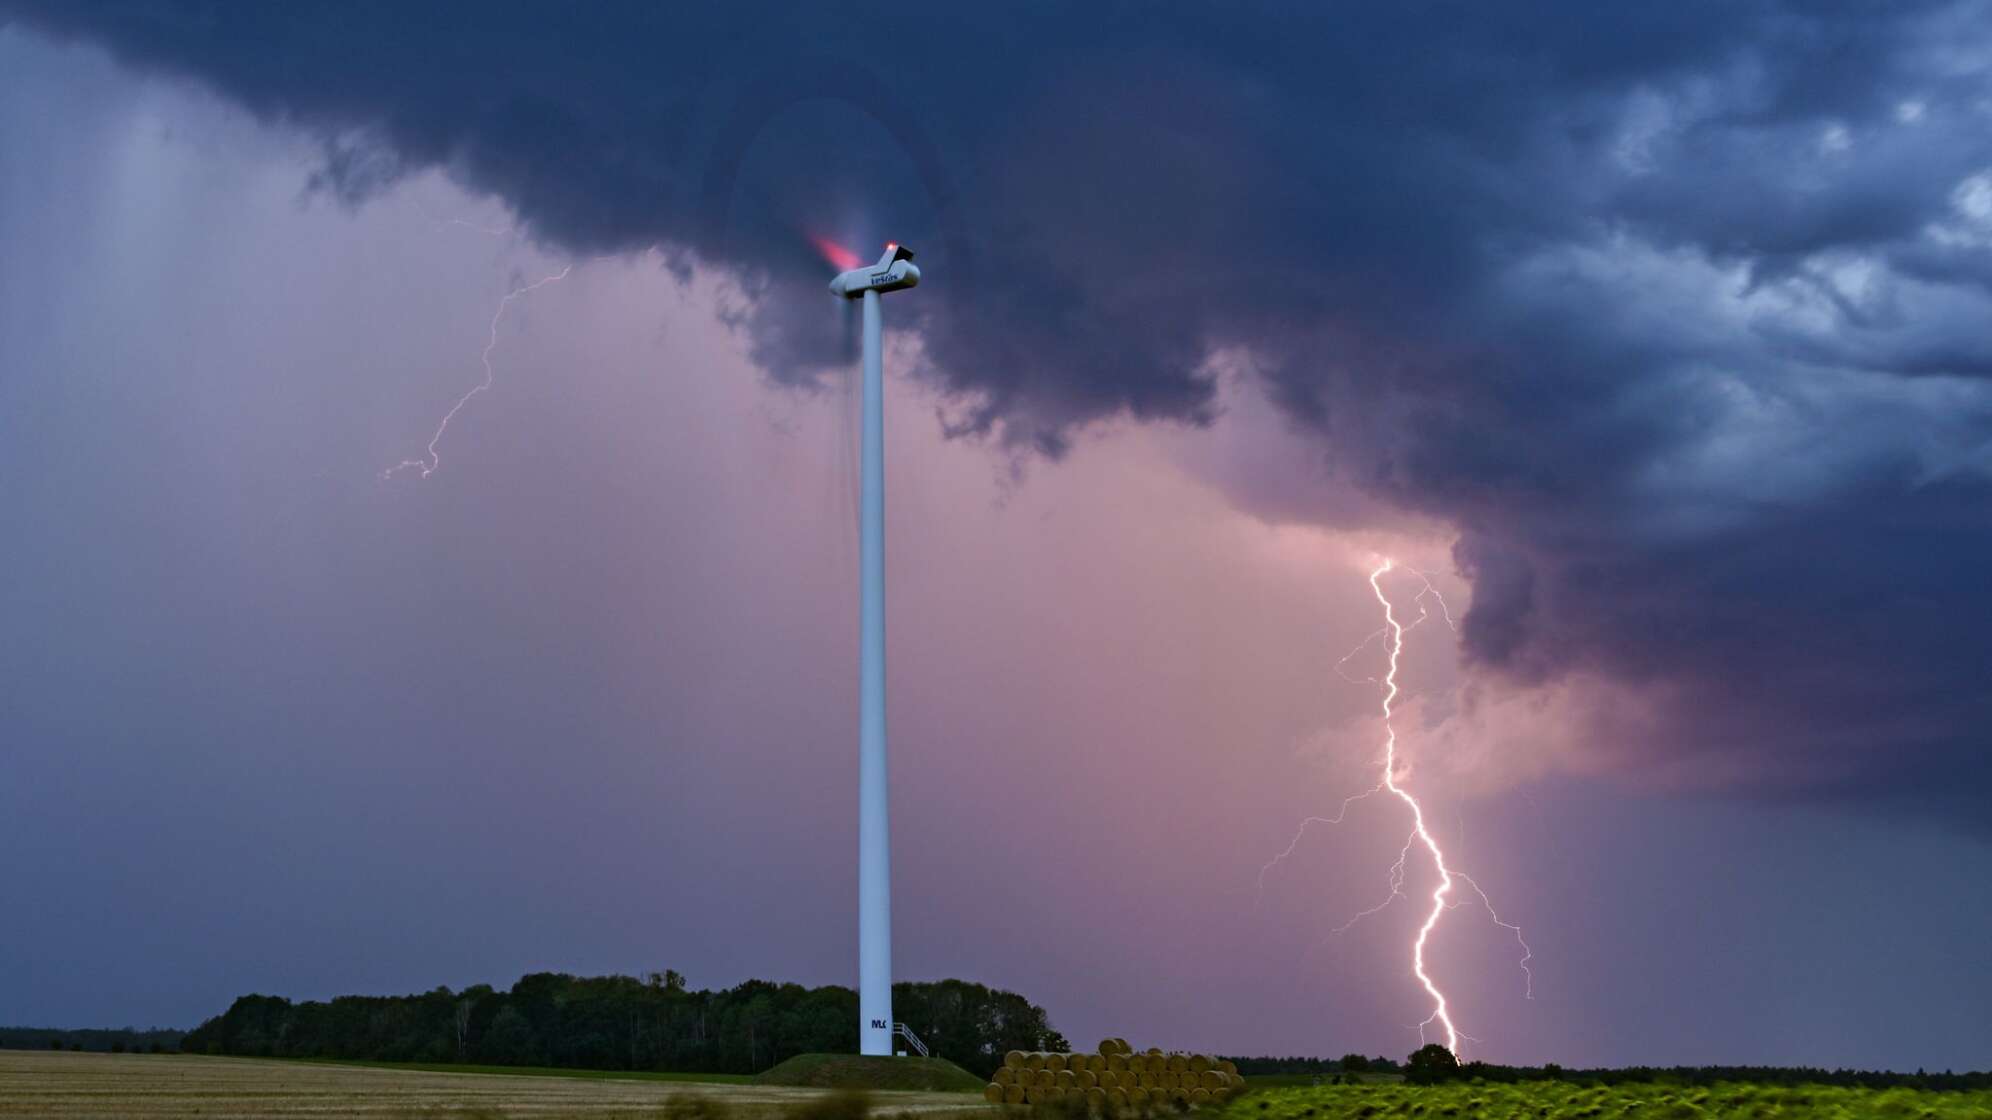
(1676, 313)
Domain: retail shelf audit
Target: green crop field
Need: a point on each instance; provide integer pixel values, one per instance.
(1560, 1100)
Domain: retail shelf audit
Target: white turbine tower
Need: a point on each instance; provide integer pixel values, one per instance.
(894, 270)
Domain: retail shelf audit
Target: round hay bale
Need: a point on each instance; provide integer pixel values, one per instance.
(1096, 1096)
(1066, 1079)
(1034, 1060)
(1014, 1094)
(1054, 1062)
(1117, 1061)
(993, 1093)
(1146, 1079)
(1138, 1096)
(1178, 1063)
(1097, 1063)
(1200, 1063)
(1168, 1080)
(1043, 1079)
(1116, 1099)
(1210, 1079)
(1153, 1051)
(1219, 1096)
(1179, 1097)
(1087, 1078)
(1004, 1075)
(1228, 1066)
(1199, 1096)
(1015, 1059)
(1106, 1046)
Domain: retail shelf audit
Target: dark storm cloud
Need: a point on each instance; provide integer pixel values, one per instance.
(1678, 312)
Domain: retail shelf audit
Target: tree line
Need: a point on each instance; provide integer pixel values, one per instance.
(623, 1023)
(113, 1041)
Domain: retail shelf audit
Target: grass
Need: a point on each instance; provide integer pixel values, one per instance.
(1562, 1100)
(853, 1071)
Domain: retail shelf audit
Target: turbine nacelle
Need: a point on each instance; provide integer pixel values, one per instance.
(894, 270)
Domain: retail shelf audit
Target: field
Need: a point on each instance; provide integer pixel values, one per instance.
(146, 1087)
(1557, 1100)
(149, 1086)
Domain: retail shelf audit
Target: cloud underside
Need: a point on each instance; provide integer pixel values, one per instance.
(1678, 313)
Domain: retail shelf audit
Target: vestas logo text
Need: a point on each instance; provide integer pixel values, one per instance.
(881, 277)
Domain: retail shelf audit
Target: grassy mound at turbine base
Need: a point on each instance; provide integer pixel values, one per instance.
(856, 1071)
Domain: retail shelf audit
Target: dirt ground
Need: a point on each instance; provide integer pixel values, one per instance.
(145, 1086)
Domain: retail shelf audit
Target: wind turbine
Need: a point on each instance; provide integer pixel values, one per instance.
(894, 271)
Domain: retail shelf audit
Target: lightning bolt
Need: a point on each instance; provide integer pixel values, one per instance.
(1428, 591)
(429, 465)
(1440, 1013)
(1421, 836)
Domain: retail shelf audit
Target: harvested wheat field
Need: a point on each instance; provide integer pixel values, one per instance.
(143, 1086)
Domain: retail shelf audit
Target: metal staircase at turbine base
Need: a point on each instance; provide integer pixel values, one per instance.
(913, 1040)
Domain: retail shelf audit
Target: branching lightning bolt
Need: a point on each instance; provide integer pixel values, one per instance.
(1440, 1013)
(1424, 612)
(429, 465)
(1421, 836)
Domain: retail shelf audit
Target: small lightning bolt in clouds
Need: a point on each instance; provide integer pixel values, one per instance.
(428, 466)
(1391, 782)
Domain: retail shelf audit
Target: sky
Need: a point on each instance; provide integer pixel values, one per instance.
(1655, 339)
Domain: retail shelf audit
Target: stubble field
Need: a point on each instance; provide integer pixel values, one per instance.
(149, 1086)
